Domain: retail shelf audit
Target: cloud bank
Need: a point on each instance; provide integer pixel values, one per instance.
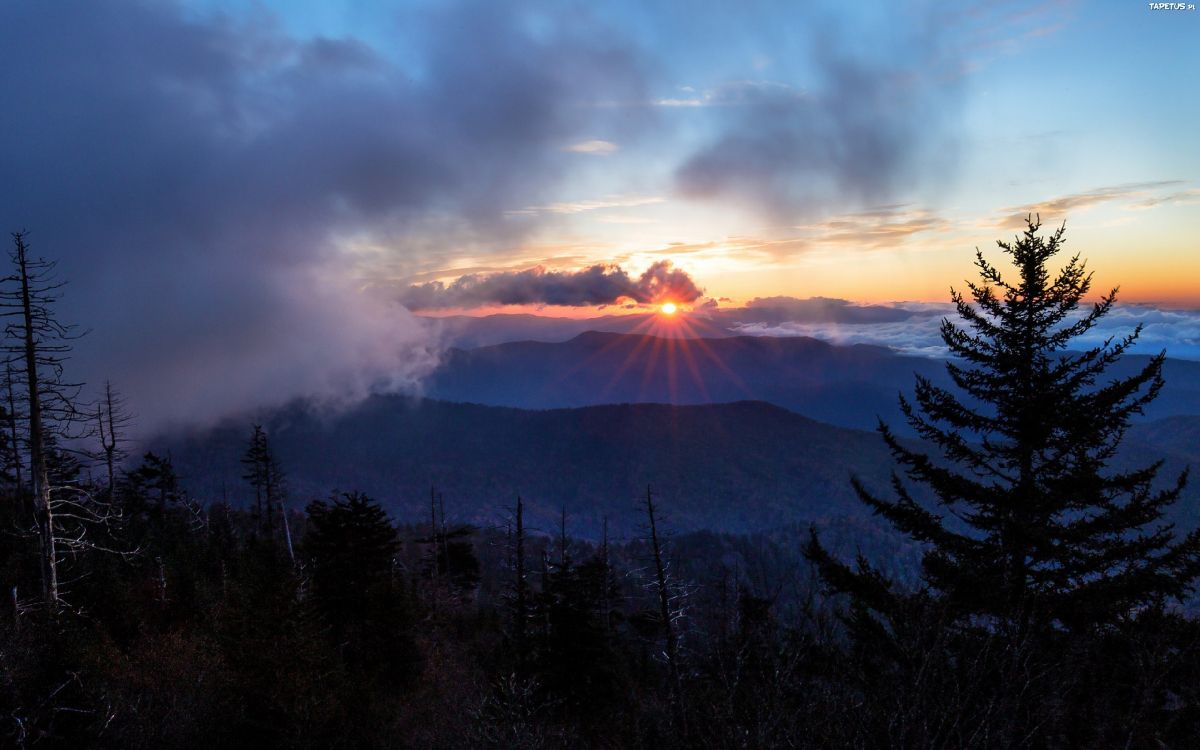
(596, 285)
(821, 310)
(200, 178)
(1176, 331)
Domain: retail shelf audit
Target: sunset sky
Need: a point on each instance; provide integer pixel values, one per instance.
(271, 187)
(855, 150)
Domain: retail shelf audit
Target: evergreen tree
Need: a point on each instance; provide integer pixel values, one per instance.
(1032, 530)
(153, 485)
(577, 663)
(352, 548)
(266, 477)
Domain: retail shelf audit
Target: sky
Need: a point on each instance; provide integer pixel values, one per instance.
(272, 188)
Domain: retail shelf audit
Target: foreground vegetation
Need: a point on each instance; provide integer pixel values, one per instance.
(1045, 611)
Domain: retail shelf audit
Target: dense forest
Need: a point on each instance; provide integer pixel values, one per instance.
(1041, 604)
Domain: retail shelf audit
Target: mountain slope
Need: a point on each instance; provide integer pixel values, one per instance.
(850, 386)
(742, 466)
(735, 467)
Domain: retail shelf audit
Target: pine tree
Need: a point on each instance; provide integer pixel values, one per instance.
(1030, 529)
(266, 477)
(576, 661)
(351, 546)
(151, 488)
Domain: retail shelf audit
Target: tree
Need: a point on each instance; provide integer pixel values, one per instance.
(150, 489)
(576, 661)
(1042, 563)
(38, 344)
(667, 596)
(12, 422)
(112, 422)
(1031, 530)
(266, 477)
(352, 547)
(518, 596)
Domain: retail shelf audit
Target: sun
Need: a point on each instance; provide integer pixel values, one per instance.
(668, 308)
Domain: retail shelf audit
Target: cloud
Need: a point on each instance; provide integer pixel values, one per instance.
(1176, 331)
(203, 180)
(909, 335)
(865, 128)
(884, 226)
(1058, 209)
(595, 148)
(733, 94)
(596, 285)
(578, 207)
(791, 310)
(875, 111)
(1182, 197)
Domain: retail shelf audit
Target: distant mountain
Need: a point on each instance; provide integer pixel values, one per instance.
(734, 467)
(848, 386)
(739, 467)
(1176, 438)
(470, 331)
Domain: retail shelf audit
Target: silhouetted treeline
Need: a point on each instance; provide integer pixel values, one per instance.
(386, 636)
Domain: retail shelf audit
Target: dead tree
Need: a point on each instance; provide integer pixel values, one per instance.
(287, 531)
(112, 422)
(434, 553)
(12, 420)
(38, 345)
(519, 595)
(668, 611)
(606, 582)
(563, 557)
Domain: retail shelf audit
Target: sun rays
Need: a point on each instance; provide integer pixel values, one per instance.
(665, 353)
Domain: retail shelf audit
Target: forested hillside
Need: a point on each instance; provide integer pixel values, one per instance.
(739, 467)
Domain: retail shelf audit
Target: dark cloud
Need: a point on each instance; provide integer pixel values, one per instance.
(866, 128)
(783, 309)
(595, 285)
(200, 179)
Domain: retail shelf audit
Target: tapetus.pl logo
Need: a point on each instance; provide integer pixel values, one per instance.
(1172, 6)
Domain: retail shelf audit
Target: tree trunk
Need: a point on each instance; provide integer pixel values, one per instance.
(664, 604)
(522, 613)
(12, 428)
(37, 458)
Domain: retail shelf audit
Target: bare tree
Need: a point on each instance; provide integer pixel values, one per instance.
(520, 589)
(434, 579)
(12, 421)
(38, 345)
(65, 516)
(668, 598)
(112, 422)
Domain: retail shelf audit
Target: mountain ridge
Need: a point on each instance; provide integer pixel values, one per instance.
(744, 466)
(847, 385)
